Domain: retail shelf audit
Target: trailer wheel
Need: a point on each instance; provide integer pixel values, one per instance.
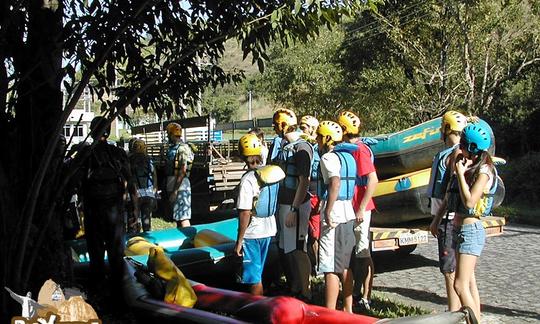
(406, 249)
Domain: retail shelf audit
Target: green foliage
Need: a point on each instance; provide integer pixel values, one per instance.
(522, 178)
(522, 213)
(306, 77)
(409, 61)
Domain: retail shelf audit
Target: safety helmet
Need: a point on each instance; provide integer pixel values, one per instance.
(174, 129)
(284, 117)
(138, 146)
(330, 131)
(475, 138)
(455, 121)
(249, 145)
(98, 123)
(310, 121)
(349, 122)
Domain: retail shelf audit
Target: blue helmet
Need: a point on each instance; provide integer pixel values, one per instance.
(476, 138)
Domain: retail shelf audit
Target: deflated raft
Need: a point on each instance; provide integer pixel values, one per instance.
(215, 305)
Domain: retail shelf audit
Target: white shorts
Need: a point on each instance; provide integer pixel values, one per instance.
(294, 238)
(361, 234)
(335, 247)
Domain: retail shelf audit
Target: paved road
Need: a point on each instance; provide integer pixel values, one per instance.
(508, 276)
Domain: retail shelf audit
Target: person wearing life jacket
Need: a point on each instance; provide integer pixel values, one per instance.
(177, 168)
(452, 125)
(105, 176)
(257, 205)
(470, 196)
(336, 189)
(294, 156)
(145, 179)
(308, 125)
(366, 182)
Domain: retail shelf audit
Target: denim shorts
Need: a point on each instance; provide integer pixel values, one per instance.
(471, 238)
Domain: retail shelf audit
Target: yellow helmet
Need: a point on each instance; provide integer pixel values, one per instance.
(330, 131)
(284, 117)
(174, 129)
(453, 121)
(138, 146)
(249, 145)
(349, 122)
(310, 121)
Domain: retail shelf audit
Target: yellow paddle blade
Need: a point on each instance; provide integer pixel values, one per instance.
(208, 237)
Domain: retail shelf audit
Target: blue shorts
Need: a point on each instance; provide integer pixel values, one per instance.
(471, 238)
(255, 252)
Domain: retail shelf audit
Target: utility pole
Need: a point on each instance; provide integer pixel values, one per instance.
(249, 105)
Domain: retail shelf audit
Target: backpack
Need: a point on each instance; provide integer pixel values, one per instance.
(104, 178)
(142, 169)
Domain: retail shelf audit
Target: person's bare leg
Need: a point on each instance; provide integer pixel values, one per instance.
(474, 292)
(256, 289)
(368, 281)
(347, 290)
(183, 223)
(462, 284)
(331, 289)
(453, 299)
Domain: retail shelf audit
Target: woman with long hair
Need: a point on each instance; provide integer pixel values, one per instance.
(471, 197)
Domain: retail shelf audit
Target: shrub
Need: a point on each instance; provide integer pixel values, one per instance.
(522, 178)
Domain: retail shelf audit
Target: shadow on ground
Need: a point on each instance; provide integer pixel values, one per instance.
(420, 295)
(390, 261)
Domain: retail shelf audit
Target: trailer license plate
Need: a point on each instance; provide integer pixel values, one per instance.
(416, 238)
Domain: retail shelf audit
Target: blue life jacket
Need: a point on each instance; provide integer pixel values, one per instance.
(347, 177)
(265, 205)
(143, 173)
(275, 148)
(315, 163)
(438, 179)
(286, 159)
(361, 181)
(482, 208)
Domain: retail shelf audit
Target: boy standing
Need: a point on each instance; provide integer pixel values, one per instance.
(336, 187)
(257, 202)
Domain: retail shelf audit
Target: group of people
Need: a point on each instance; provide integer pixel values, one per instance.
(312, 189)
(315, 194)
(109, 180)
(318, 203)
(462, 186)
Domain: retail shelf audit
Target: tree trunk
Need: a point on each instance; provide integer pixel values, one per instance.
(39, 104)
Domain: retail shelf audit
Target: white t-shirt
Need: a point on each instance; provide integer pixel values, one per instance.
(342, 211)
(259, 227)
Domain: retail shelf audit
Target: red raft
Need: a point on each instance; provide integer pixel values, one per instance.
(216, 305)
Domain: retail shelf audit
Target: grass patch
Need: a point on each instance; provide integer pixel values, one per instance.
(160, 224)
(381, 305)
(523, 213)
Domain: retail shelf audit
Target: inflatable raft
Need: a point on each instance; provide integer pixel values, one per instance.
(200, 251)
(403, 198)
(215, 305)
(410, 150)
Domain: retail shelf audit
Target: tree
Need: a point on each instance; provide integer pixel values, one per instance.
(143, 54)
(409, 61)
